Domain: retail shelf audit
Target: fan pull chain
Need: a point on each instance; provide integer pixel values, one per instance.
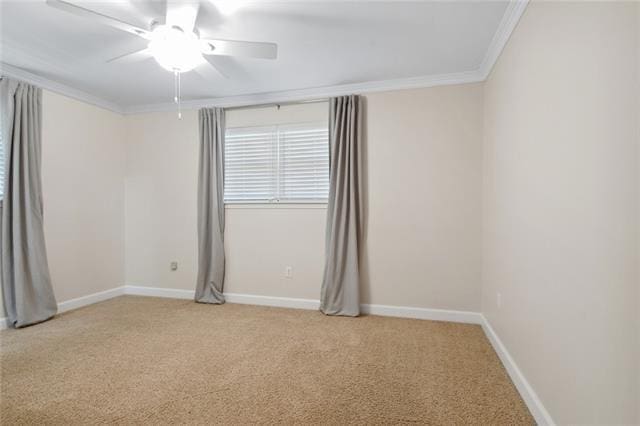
(176, 89)
(175, 85)
(179, 98)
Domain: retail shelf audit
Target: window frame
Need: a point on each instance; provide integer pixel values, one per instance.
(277, 203)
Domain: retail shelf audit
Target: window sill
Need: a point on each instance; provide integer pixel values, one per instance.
(264, 206)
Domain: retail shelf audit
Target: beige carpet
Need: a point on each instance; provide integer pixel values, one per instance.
(159, 361)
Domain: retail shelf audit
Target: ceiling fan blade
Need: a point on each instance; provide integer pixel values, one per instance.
(182, 13)
(138, 55)
(209, 71)
(227, 65)
(248, 49)
(98, 17)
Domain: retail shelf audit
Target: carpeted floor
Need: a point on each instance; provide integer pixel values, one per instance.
(159, 361)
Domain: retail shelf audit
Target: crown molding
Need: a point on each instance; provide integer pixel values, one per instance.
(507, 25)
(510, 19)
(314, 93)
(54, 86)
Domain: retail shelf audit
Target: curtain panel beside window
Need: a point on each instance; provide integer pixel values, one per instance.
(26, 284)
(211, 259)
(340, 293)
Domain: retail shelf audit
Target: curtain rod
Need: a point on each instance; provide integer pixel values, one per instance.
(276, 104)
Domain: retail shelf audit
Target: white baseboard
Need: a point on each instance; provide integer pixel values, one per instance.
(78, 302)
(279, 302)
(314, 304)
(537, 409)
(90, 299)
(171, 293)
(244, 299)
(466, 317)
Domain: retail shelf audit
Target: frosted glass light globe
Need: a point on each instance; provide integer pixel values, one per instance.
(174, 49)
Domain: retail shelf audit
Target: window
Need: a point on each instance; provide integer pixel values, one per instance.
(284, 163)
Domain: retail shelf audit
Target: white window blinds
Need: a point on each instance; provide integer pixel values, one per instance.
(250, 164)
(285, 163)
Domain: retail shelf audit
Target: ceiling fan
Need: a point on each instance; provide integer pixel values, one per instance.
(174, 41)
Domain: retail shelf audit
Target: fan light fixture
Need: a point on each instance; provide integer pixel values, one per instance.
(176, 44)
(175, 50)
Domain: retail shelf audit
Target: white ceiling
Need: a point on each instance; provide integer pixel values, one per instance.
(320, 43)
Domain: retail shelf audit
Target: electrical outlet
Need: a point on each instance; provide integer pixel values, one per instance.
(174, 266)
(288, 272)
(499, 300)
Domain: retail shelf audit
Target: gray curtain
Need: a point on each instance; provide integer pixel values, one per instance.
(340, 293)
(26, 284)
(210, 282)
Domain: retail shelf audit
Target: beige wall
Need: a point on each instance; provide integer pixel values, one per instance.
(261, 242)
(424, 168)
(424, 183)
(561, 207)
(162, 171)
(83, 150)
(160, 199)
(83, 188)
